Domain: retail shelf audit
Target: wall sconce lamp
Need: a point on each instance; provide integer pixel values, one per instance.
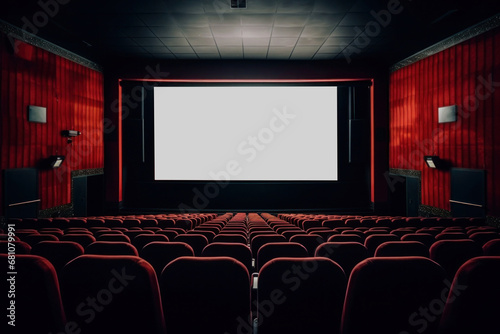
(433, 161)
(69, 134)
(55, 161)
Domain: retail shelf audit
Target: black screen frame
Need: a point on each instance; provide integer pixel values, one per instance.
(141, 190)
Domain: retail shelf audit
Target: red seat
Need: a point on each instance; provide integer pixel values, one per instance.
(168, 233)
(402, 231)
(473, 303)
(352, 222)
(142, 240)
(20, 247)
(95, 222)
(346, 254)
(384, 293)
(451, 254)
(492, 248)
(111, 248)
(38, 307)
(208, 227)
(185, 224)
(357, 232)
(82, 239)
(208, 234)
(163, 223)
(237, 251)
(59, 253)
(102, 232)
(131, 222)
(483, 237)
(230, 238)
(345, 238)
(369, 222)
(196, 241)
(51, 231)
(205, 295)
(300, 295)
(402, 248)
(77, 230)
(310, 242)
(333, 223)
(110, 222)
(288, 234)
(374, 240)
(311, 223)
(253, 232)
(33, 239)
(149, 223)
(112, 292)
(133, 233)
(159, 253)
(119, 237)
(274, 250)
(425, 238)
(261, 240)
(451, 236)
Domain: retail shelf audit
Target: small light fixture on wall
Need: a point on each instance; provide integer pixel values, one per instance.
(55, 161)
(433, 161)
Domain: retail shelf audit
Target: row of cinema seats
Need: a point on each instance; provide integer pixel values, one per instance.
(288, 279)
(262, 240)
(96, 293)
(185, 221)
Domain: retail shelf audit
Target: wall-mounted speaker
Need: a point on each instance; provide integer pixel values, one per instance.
(447, 114)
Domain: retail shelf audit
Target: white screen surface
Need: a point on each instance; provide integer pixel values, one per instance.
(251, 133)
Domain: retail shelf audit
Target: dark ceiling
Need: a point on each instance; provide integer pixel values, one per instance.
(266, 29)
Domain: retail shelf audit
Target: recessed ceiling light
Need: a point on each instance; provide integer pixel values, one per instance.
(238, 3)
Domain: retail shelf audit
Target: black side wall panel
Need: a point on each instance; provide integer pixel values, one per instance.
(21, 186)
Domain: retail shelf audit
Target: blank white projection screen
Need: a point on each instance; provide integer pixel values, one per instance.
(251, 133)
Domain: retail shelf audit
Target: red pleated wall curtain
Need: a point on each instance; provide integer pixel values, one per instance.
(73, 96)
(467, 75)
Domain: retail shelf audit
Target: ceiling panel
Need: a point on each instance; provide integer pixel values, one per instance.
(201, 41)
(175, 41)
(181, 49)
(229, 41)
(287, 31)
(283, 41)
(226, 31)
(260, 42)
(209, 56)
(256, 31)
(273, 29)
(257, 19)
(167, 31)
(290, 20)
(148, 41)
(205, 49)
(295, 6)
(311, 31)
